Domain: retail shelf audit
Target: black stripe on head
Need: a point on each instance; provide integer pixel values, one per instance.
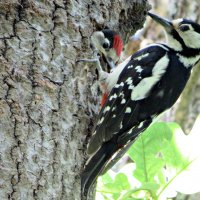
(109, 34)
(194, 25)
(188, 52)
(177, 37)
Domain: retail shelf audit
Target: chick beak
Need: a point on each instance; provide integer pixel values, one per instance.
(111, 63)
(168, 26)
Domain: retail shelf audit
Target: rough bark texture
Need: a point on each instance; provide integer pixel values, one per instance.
(47, 102)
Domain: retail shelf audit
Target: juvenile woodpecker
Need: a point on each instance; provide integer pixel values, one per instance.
(143, 86)
(109, 45)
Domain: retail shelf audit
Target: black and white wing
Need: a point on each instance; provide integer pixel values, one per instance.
(126, 106)
(126, 112)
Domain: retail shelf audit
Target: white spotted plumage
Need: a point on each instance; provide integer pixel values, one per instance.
(128, 110)
(142, 56)
(139, 69)
(142, 89)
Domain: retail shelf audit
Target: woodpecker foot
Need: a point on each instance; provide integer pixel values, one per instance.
(102, 74)
(88, 60)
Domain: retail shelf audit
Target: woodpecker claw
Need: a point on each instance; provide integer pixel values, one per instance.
(88, 60)
(93, 60)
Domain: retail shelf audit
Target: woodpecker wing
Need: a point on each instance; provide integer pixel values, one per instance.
(126, 112)
(125, 104)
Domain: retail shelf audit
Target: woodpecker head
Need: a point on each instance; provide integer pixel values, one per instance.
(182, 34)
(109, 43)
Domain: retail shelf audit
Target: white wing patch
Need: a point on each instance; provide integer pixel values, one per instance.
(139, 69)
(141, 124)
(100, 121)
(113, 108)
(114, 96)
(118, 85)
(142, 89)
(141, 57)
(123, 101)
(130, 87)
(129, 81)
(107, 108)
(130, 66)
(128, 110)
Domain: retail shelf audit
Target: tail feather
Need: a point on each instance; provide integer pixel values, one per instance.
(115, 148)
(96, 165)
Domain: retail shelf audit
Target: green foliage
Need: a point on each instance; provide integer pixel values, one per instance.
(166, 161)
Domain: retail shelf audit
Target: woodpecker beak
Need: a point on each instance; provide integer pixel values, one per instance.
(111, 63)
(164, 22)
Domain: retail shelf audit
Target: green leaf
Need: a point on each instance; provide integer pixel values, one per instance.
(114, 186)
(166, 161)
(106, 179)
(148, 187)
(121, 182)
(156, 153)
(146, 151)
(184, 176)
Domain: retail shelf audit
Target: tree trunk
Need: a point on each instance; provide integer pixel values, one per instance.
(47, 102)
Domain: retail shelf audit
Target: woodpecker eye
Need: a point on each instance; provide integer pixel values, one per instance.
(184, 28)
(105, 45)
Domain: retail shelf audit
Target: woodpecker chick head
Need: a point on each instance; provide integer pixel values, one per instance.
(109, 43)
(181, 33)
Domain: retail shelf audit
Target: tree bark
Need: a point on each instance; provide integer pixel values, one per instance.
(47, 102)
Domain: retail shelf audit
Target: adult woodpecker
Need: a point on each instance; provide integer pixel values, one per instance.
(143, 86)
(109, 45)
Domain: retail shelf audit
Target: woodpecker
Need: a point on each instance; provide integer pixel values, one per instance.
(109, 45)
(143, 86)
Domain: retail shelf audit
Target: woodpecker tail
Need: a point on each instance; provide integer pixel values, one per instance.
(95, 166)
(101, 161)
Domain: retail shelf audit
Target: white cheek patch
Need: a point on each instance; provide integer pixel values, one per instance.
(106, 40)
(176, 22)
(97, 38)
(191, 39)
(173, 43)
